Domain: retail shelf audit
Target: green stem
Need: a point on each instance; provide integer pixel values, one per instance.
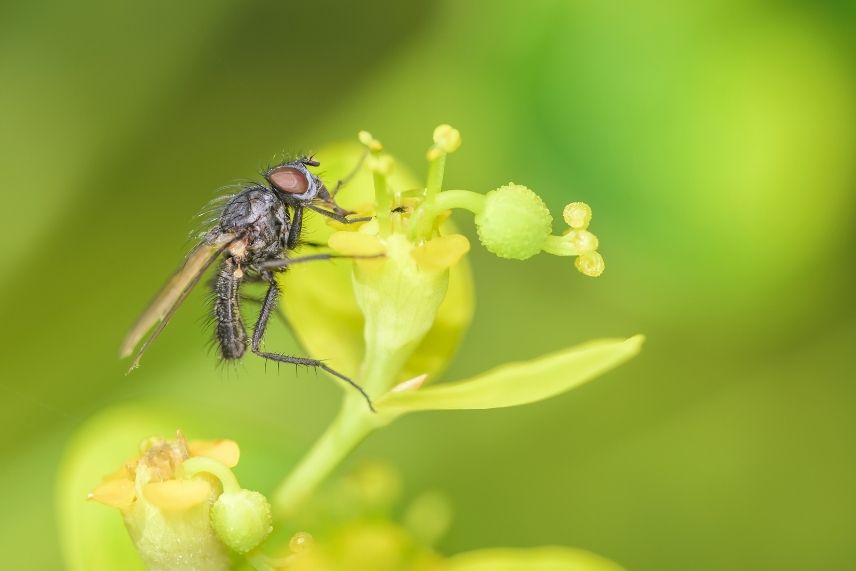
(436, 169)
(424, 216)
(465, 199)
(399, 303)
(353, 423)
(383, 202)
(197, 464)
(560, 246)
(261, 562)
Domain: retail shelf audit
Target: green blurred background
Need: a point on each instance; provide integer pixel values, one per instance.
(714, 139)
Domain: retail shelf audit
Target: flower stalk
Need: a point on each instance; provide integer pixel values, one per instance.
(183, 506)
(351, 425)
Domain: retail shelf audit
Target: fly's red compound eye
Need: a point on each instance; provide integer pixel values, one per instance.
(290, 180)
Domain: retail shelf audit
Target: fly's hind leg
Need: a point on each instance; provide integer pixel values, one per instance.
(268, 306)
(229, 330)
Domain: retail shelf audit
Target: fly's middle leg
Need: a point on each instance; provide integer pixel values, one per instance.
(268, 306)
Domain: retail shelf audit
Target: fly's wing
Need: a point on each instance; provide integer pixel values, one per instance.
(173, 293)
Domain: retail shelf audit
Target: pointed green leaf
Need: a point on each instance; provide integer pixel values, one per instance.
(535, 559)
(518, 383)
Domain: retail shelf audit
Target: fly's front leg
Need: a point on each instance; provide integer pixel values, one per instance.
(268, 306)
(296, 229)
(339, 215)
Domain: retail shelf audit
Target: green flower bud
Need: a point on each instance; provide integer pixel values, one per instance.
(514, 222)
(242, 519)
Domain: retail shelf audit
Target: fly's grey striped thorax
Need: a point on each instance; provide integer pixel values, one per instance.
(260, 217)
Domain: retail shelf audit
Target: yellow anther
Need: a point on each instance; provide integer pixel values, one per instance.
(590, 264)
(577, 215)
(446, 138)
(368, 140)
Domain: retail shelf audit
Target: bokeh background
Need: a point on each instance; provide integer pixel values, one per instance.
(715, 140)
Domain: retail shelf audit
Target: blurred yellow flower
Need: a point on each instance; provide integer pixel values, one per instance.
(183, 506)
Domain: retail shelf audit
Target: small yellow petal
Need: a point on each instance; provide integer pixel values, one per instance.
(356, 244)
(118, 493)
(224, 451)
(371, 227)
(177, 495)
(126, 472)
(441, 253)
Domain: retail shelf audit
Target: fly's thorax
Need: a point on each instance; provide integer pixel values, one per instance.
(259, 216)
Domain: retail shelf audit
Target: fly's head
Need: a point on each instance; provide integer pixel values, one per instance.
(296, 185)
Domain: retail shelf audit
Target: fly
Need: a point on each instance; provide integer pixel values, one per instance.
(254, 232)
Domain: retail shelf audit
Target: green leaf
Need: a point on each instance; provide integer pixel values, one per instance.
(318, 298)
(518, 383)
(536, 559)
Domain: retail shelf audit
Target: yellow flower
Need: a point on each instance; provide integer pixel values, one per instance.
(182, 504)
(151, 476)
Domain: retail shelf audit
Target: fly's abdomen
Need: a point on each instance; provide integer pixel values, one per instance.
(230, 331)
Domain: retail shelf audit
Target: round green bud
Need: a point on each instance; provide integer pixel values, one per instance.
(514, 223)
(242, 519)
